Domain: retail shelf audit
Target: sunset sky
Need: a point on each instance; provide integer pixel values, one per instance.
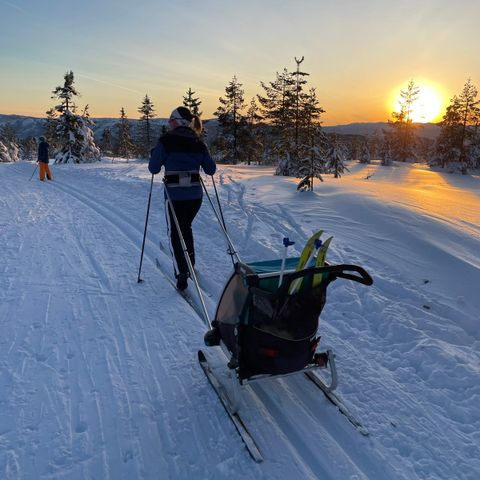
(359, 53)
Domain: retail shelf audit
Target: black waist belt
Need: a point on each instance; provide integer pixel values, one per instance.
(186, 179)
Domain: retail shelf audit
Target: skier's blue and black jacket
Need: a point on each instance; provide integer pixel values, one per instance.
(43, 152)
(182, 153)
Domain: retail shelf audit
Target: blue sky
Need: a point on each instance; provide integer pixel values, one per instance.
(357, 52)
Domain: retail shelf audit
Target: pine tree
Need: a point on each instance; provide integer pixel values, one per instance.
(230, 117)
(192, 103)
(74, 132)
(125, 145)
(402, 128)
(470, 116)
(145, 133)
(456, 146)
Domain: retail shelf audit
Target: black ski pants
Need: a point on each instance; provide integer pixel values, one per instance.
(185, 211)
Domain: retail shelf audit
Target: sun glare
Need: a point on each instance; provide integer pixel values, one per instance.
(428, 106)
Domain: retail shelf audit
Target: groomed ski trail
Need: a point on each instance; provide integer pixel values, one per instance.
(295, 442)
(146, 368)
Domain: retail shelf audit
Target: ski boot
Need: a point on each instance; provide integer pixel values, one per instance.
(182, 283)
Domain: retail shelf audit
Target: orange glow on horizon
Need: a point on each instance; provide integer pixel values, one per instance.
(429, 106)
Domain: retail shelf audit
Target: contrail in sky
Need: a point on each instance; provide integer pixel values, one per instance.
(108, 83)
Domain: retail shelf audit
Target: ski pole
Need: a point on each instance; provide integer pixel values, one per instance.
(139, 280)
(231, 251)
(169, 208)
(221, 221)
(286, 244)
(34, 171)
(218, 201)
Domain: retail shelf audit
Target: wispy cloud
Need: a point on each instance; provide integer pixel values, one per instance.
(13, 5)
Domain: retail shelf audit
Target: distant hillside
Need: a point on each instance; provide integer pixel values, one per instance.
(427, 130)
(34, 127)
(31, 126)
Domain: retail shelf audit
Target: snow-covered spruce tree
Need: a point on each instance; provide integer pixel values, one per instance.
(277, 107)
(9, 147)
(401, 128)
(145, 134)
(73, 131)
(364, 154)
(192, 103)
(335, 158)
(230, 118)
(124, 146)
(4, 153)
(311, 160)
(89, 151)
(310, 150)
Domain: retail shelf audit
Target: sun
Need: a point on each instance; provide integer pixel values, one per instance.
(427, 107)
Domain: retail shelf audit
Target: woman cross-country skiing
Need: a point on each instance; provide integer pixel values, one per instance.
(181, 152)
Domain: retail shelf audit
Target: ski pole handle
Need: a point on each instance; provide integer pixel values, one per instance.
(287, 242)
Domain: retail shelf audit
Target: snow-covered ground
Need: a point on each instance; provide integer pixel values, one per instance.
(98, 374)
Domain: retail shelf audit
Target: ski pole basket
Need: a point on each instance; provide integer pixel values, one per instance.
(267, 328)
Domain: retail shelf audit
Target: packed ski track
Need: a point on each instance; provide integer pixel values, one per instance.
(98, 373)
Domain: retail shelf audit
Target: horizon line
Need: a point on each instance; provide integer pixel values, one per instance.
(213, 118)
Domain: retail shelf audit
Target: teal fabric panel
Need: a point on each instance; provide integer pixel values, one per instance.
(270, 266)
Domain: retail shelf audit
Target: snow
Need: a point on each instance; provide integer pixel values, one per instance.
(98, 374)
